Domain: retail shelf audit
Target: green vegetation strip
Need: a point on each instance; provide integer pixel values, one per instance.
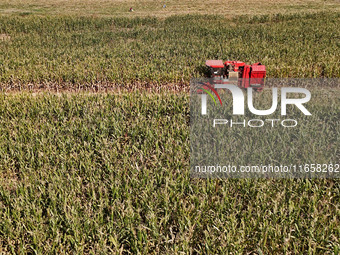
(103, 173)
(84, 51)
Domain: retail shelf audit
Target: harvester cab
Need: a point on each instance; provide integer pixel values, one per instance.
(216, 69)
(237, 72)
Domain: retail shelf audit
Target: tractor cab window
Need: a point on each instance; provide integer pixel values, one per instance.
(216, 71)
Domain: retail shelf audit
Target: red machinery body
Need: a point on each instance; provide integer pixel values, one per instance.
(232, 71)
(235, 64)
